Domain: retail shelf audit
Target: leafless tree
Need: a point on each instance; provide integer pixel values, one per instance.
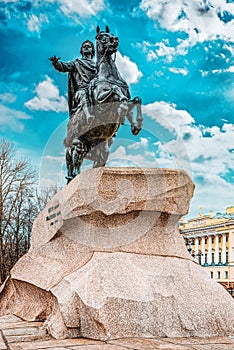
(43, 195)
(16, 178)
(20, 203)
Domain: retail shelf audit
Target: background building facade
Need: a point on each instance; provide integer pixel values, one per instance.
(210, 240)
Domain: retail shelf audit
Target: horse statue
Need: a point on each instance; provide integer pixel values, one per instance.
(110, 104)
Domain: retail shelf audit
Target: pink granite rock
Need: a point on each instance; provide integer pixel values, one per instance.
(107, 261)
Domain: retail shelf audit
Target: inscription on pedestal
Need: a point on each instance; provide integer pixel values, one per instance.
(54, 212)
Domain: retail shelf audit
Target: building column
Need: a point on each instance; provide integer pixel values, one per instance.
(216, 249)
(209, 255)
(203, 250)
(196, 248)
(231, 244)
(224, 248)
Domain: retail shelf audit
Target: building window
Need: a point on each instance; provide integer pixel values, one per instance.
(218, 275)
(211, 274)
(205, 240)
(220, 257)
(199, 241)
(227, 238)
(226, 274)
(226, 257)
(219, 239)
(212, 239)
(213, 258)
(205, 258)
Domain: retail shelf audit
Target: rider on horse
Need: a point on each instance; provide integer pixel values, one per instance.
(100, 87)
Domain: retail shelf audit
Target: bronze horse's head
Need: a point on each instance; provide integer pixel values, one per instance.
(107, 43)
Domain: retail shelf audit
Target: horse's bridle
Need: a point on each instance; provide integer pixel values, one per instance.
(103, 56)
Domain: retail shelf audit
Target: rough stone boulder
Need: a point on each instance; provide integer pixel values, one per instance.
(107, 261)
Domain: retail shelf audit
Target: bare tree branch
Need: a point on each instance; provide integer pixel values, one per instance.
(20, 203)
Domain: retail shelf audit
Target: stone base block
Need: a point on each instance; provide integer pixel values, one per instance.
(107, 261)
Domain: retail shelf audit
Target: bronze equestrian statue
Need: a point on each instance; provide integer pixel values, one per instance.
(99, 101)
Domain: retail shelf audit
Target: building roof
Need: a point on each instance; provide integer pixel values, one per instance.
(209, 220)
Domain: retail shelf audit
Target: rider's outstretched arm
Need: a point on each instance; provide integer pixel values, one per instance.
(62, 66)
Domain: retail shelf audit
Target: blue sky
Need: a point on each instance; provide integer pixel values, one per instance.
(177, 56)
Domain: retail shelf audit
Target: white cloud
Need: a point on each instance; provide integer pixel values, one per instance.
(7, 97)
(215, 194)
(168, 116)
(12, 119)
(217, 71)
(48, 98)
(34, 22)
(162, 50)
(74, 10)
(208, 155)
(204, 152)
(59, 159)
(228, 70)
(231, 69)
(83, 8)
(199, 19)
(187, 16)
(204, 73)
(136, 145)
(128, 69)
(122, 157)
(183, 71)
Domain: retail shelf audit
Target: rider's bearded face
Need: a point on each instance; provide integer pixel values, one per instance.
(86, 49)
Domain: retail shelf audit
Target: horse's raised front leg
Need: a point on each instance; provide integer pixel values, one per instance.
(135, 127)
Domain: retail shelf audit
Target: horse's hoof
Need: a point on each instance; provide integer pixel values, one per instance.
(69, 178)
(135, 130)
